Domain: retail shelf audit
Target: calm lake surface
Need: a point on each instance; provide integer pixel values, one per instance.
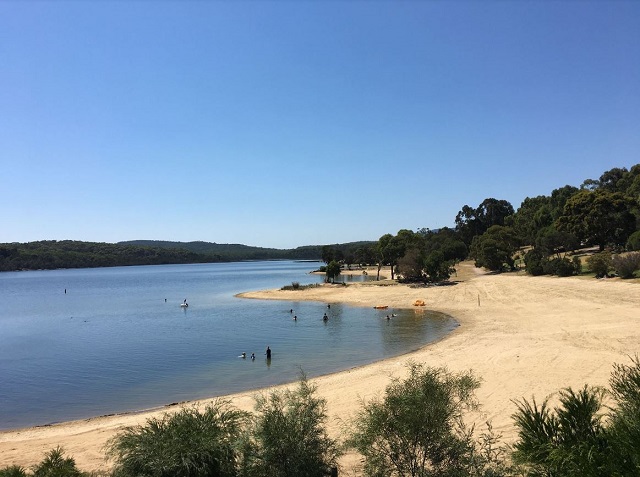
(112, 343)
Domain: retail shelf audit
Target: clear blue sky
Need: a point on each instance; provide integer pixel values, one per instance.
(288, 123)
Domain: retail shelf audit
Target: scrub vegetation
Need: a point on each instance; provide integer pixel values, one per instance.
(417, 428)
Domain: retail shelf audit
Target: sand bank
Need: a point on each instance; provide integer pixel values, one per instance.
(522, 336)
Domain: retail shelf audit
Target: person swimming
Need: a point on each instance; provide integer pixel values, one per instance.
(253, 356)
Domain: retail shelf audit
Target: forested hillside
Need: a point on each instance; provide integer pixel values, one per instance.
(52, 254)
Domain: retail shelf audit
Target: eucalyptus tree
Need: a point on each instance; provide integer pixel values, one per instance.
(472, 222)
(495, 248)
(598, 217)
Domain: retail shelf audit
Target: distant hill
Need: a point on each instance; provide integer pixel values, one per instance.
(237, 252)
(53, 254)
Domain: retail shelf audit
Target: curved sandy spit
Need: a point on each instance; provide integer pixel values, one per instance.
(523, 336)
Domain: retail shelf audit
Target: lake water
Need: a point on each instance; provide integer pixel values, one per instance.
(112, 343)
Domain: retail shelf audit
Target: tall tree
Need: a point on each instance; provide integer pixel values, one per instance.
(534, 213)
(598, 217)
(495, 248)
(383, 252)
(473, 222)
(333, 270)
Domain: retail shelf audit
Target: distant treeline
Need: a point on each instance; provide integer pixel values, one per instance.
(53, 254)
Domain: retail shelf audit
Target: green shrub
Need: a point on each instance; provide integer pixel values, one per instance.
(13, 471)
(288, 437)
(626, 265)
(295, 286)
(625, 420)
(189, 443)
(576, 438)
(633, 243)
(600, 263)
(56, 465)
(567, 441)
(577, 264)
(562, 267)
(417, 428)
(534, 261)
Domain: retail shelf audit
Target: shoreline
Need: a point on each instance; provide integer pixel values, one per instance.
(522, 336)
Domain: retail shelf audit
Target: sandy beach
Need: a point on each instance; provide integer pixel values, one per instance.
(523, 336)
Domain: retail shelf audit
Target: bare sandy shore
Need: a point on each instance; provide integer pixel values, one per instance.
(522, 336)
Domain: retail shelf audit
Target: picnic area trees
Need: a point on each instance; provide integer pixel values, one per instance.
(495, 249)
(424, 256)
(598, 217)
(472, 222)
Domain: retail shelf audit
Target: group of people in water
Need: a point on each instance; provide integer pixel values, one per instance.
(267, 353)
(325, 318)
(243, 355)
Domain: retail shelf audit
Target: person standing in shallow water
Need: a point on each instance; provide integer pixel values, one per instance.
(268, 353)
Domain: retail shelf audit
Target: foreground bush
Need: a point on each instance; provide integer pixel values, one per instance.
(54, 464)
(625, 418)
(417, 428)
(574, 439)
(188, 443)
(566, 441)
(13, 471)
(288, 437)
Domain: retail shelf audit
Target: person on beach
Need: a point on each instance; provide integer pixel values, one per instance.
(268, 353)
